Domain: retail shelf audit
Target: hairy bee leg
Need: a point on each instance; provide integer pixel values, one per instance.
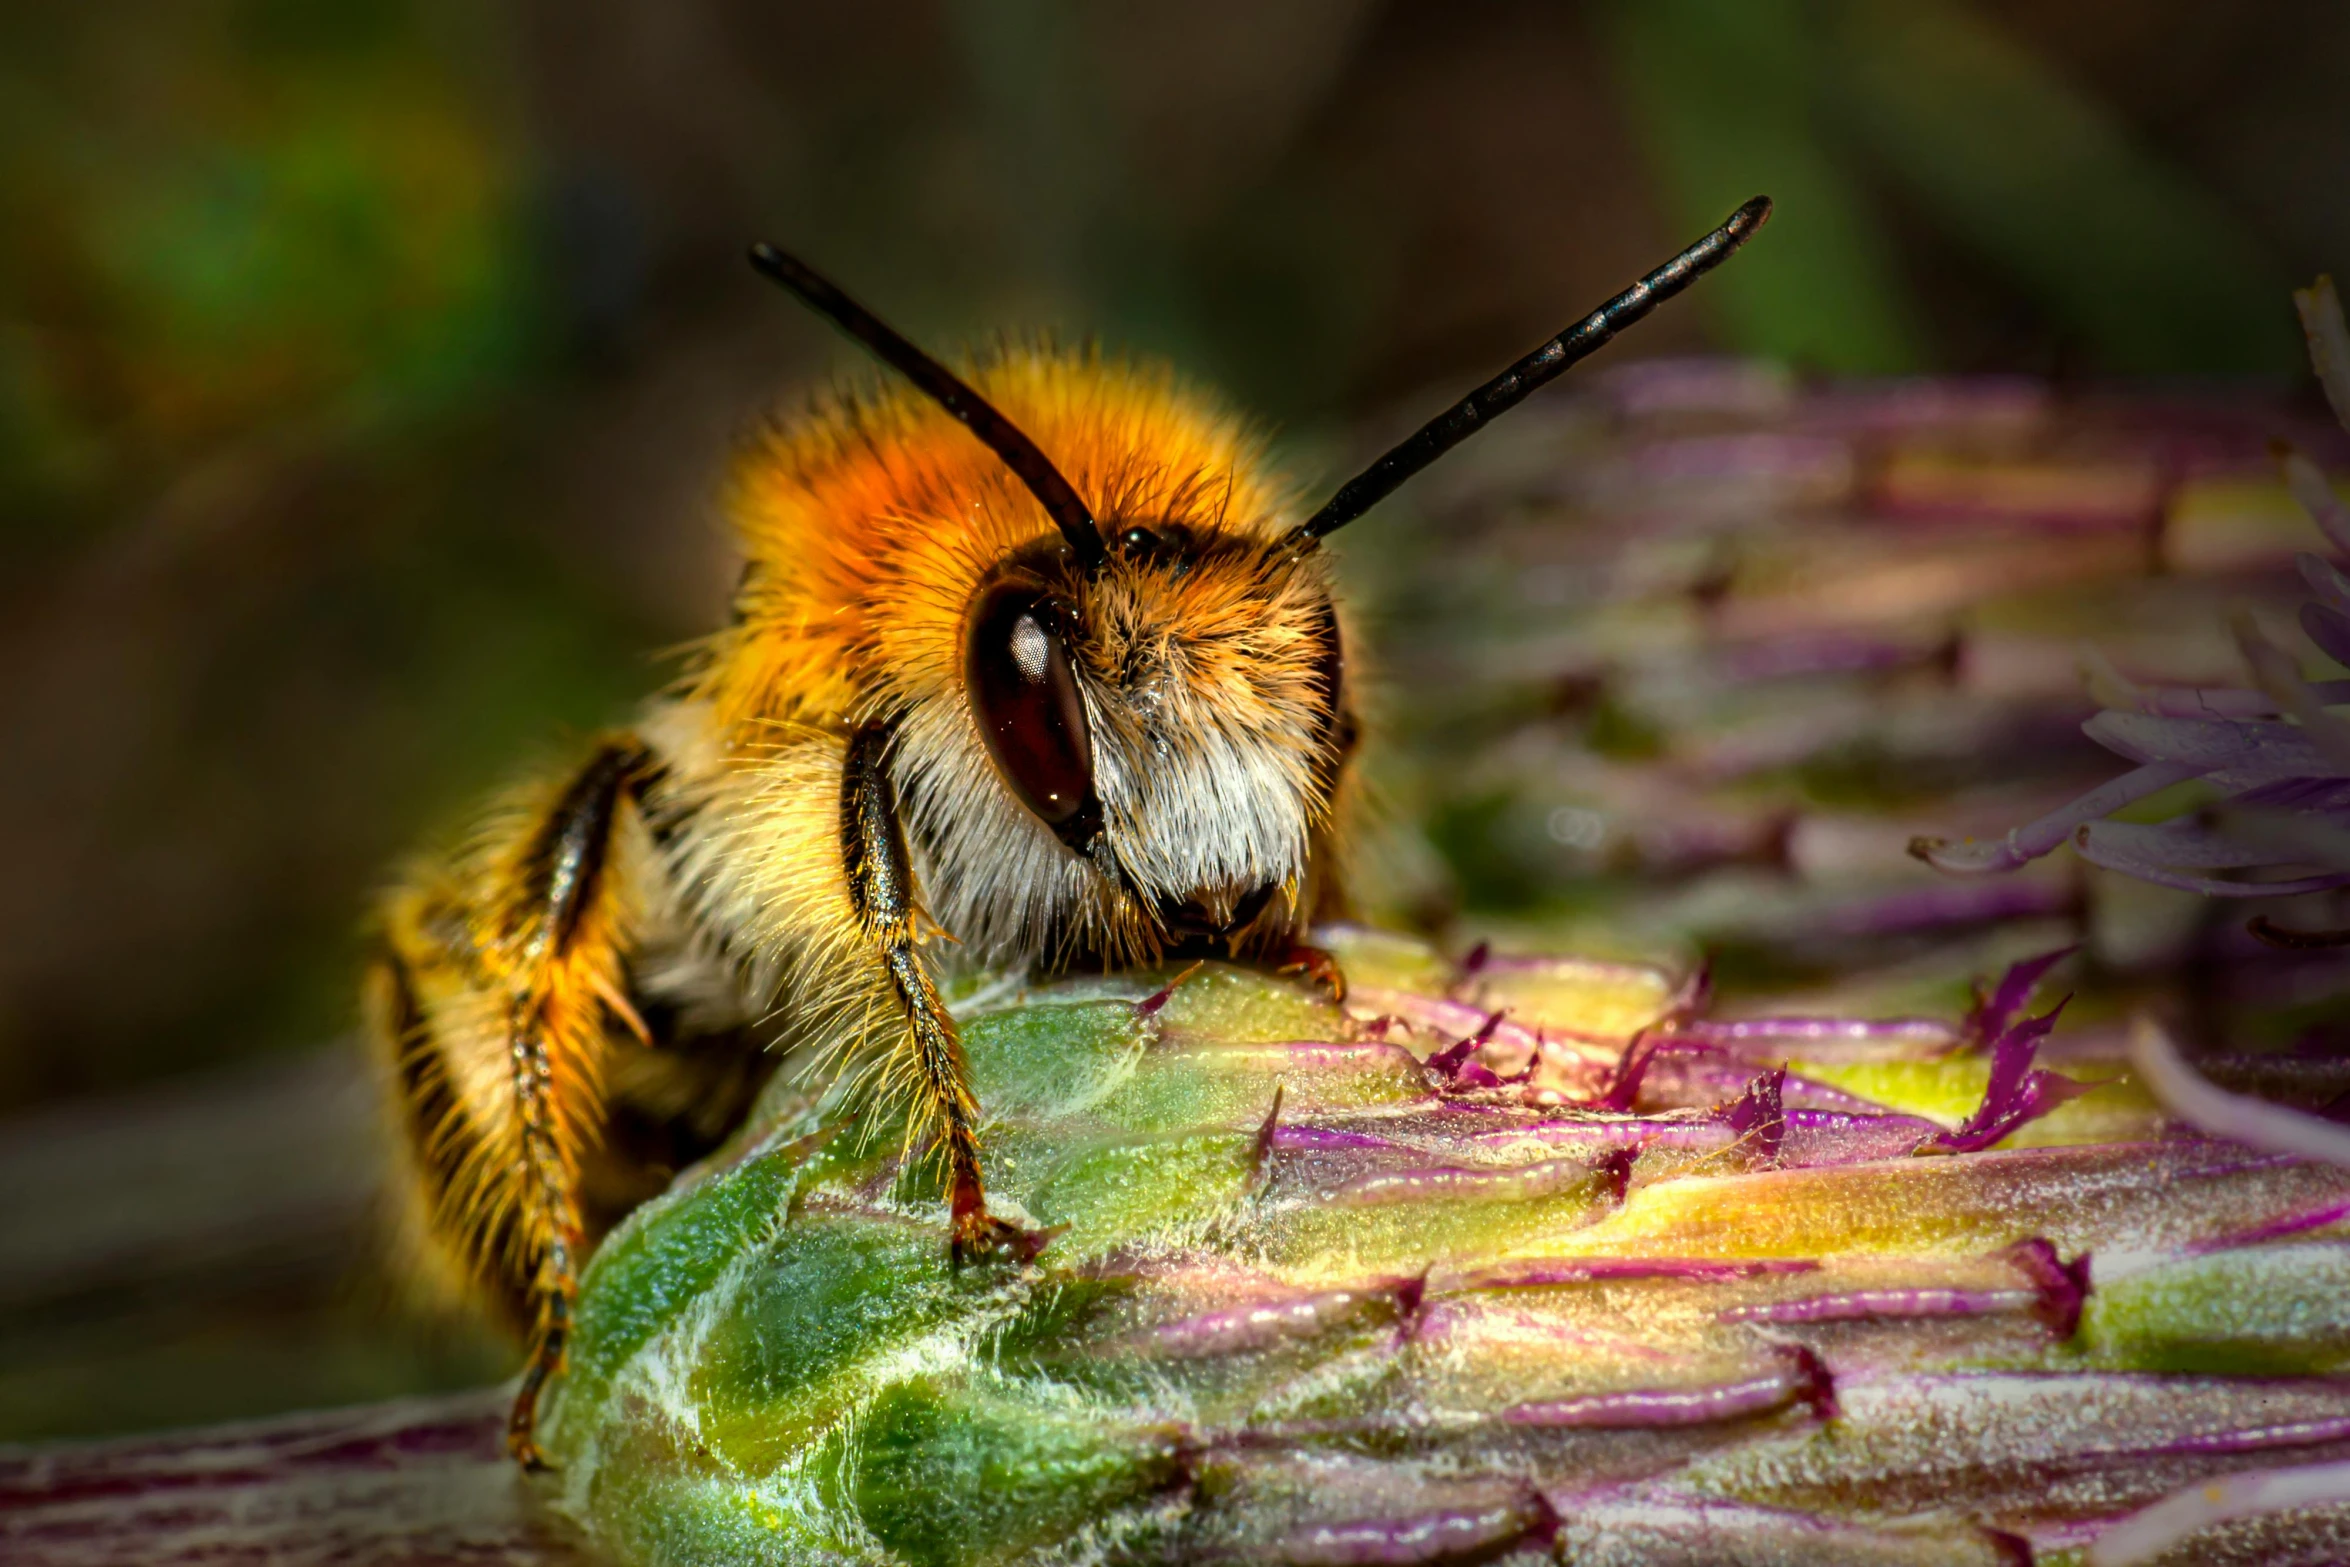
(1317, 966)
(558, 1288)
(881, 888)
(557, 1283)
(574, 847)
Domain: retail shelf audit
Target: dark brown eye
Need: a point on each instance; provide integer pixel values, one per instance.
(1024, 697)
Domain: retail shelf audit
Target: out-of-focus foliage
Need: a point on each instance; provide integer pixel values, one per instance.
(266, 270)
(1826, 104)
(241, 225)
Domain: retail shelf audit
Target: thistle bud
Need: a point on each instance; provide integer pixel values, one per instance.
(1528, 1262)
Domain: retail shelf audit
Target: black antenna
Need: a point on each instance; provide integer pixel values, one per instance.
(1510, 388)
(1002, 437)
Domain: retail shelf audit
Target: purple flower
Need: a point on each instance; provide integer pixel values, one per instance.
(2272, 757)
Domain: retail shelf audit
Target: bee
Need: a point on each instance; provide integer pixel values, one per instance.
(1039, 658)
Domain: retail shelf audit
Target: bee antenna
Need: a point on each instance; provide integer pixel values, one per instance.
(1510, 388)
(1020, 454)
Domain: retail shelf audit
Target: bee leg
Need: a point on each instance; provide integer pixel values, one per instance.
(546, 943)
(881, 888)
(558, 1286)
(554, 1014)
(1317, 966)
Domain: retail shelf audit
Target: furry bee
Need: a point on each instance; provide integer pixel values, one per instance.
(1038, 659)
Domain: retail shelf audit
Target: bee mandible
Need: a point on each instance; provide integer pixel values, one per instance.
(1038, 658)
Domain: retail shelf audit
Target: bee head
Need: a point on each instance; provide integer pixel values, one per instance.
(1150, 718)
(1174, 716)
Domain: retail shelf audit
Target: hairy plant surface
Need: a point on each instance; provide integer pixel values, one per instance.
(1515, 1259)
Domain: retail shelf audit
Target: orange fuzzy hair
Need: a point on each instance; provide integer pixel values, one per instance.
(877, 510)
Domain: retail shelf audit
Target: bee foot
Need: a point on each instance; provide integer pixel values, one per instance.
(524, 1449)
(1317, 967)
(981, 1236)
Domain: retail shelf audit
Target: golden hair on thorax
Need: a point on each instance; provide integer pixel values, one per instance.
(1040, 660)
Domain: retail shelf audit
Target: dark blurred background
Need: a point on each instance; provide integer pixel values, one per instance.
(366, 368)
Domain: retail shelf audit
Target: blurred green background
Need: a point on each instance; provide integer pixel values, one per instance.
(366, 368)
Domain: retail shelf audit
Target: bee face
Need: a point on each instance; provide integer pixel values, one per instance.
(1147, 748)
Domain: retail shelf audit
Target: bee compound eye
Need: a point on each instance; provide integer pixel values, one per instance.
(1024, 698)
